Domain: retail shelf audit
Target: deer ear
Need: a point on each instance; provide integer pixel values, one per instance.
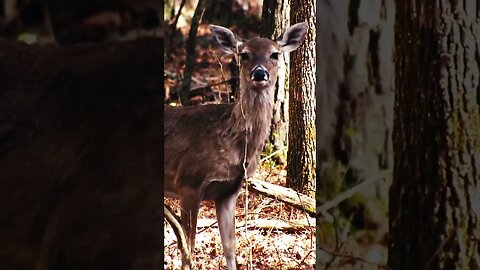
(293, 37)
(224, 38)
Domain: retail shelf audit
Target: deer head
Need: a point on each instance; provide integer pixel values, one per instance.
(258, 57)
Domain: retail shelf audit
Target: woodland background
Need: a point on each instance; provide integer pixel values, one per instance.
(355, 90)
(397, 118)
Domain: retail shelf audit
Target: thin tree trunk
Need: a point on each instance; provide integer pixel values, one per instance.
(276, 18)
(173, 26)
(435, 195)
(302, 136)
(190, 60)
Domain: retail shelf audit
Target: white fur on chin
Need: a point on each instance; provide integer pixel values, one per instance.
(260, 83)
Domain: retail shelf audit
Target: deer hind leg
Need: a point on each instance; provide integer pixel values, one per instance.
(225, 208)
(189, 209)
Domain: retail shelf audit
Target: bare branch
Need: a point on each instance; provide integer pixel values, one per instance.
(349, 193)
(173, 220)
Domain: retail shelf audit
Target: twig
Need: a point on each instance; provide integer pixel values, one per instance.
(206, 227)
(278, 256)
(221, 71)
(245, 176)
(437, 251)
(339, 243)
(347, 194)
(182, 240)
(348, 256)
(305, 257)
(272, 154)
(308, 221)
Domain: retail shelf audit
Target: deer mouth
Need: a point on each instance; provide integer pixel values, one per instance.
(260, 84)
(259, 76)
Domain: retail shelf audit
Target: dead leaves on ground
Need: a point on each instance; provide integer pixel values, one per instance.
(271, 248)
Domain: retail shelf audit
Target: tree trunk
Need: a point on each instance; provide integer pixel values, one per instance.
(190, 60)
(435, 195)
(301, 139)
(276, 18)
(355, 102)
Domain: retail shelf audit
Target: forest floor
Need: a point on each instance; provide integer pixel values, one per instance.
(278, 246)
(271, 247)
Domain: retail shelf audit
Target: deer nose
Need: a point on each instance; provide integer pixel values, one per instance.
(259, 74)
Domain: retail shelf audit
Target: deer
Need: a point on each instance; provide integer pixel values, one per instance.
(210, 149)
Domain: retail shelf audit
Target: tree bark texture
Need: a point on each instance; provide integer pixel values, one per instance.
(302, 137)
(435, 195)
(355, 100)
(276, 18)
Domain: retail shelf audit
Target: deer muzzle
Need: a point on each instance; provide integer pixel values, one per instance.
(259, 75)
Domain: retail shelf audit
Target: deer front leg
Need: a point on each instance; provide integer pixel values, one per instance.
(225, 208)
(189, 208)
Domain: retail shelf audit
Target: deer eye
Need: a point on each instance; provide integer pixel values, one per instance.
(244, 56)
(274, 55)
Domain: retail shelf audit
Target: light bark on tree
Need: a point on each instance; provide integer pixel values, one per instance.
(435, 196)
(276, 18)
(301, 140)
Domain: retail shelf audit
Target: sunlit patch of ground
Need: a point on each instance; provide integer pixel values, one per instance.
(269, 248)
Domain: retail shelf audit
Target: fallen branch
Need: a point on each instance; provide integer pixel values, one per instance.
(283, 194)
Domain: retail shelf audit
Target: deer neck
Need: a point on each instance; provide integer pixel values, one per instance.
(252, 113)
